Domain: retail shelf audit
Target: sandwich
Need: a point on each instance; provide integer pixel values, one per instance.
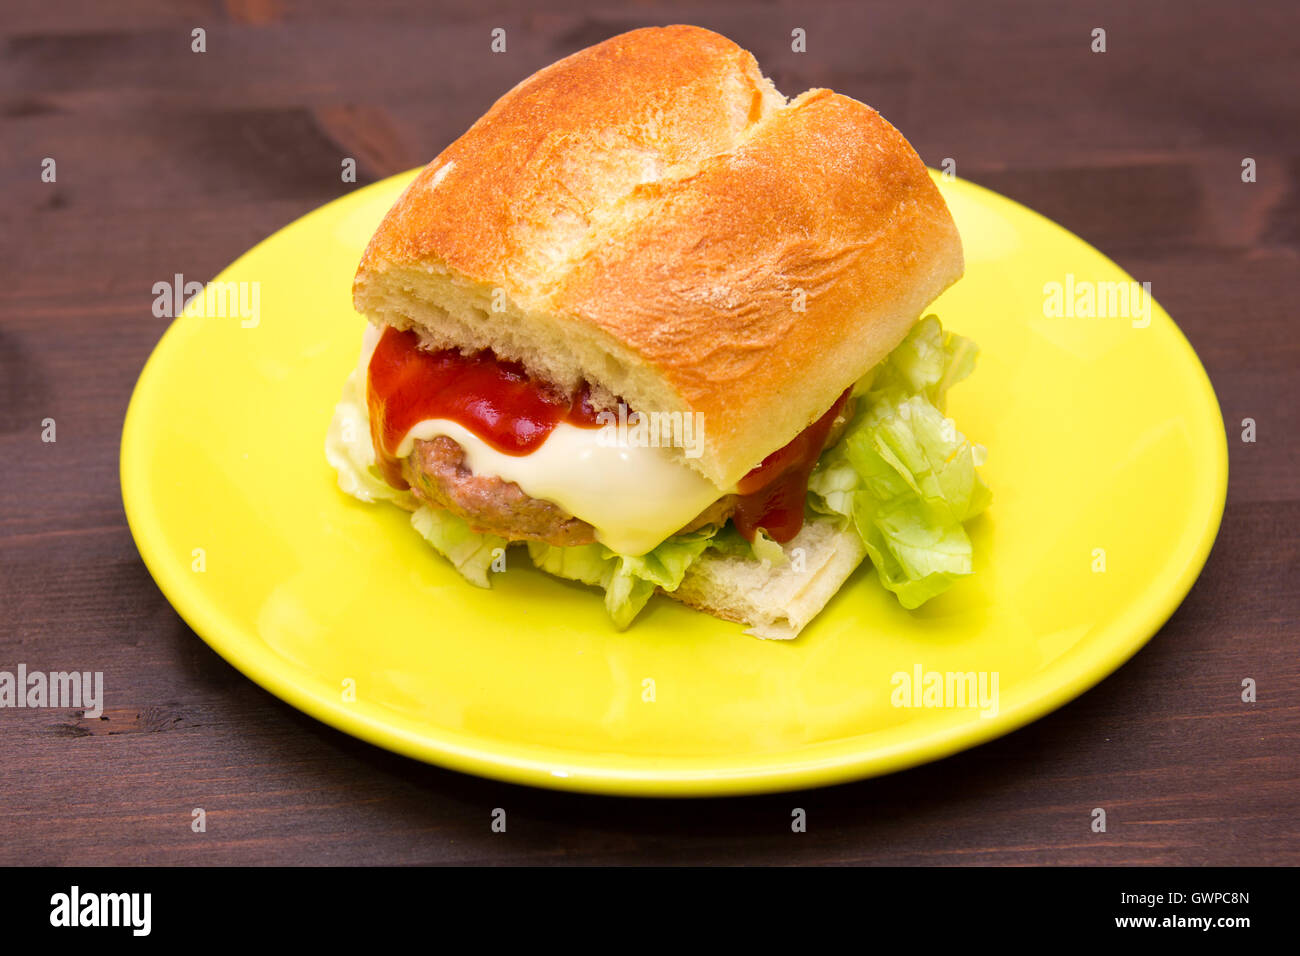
(652, 326)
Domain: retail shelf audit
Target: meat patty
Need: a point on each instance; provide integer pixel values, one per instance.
(437, 474)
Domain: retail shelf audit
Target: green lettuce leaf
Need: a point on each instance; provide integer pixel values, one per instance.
(628, 581)
(584, 562)
(729, 541)
(767, 549)
(348, 449)
(471, 552)
(903, 474)
(928, 362)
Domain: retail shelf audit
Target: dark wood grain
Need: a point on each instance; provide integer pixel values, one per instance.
(174, 162)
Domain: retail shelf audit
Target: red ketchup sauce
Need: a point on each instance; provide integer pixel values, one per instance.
(772, 495)
(498, 401)
(514, 413)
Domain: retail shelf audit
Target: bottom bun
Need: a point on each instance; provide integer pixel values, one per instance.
(776, 602)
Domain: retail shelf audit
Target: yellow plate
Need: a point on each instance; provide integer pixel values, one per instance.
(1106, 450)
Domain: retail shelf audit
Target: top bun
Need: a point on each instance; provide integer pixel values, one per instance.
(651, 216)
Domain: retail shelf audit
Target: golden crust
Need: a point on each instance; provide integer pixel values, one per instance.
(652, 205)
(825, 207)
(499, 203)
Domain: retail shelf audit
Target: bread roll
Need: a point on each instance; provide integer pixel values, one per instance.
(652, 217)
(775, 601)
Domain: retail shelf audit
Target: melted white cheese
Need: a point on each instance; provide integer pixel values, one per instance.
(633, 496)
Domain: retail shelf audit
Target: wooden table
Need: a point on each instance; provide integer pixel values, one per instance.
(170, 161)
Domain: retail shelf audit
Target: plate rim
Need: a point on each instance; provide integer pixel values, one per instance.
(823, 764)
